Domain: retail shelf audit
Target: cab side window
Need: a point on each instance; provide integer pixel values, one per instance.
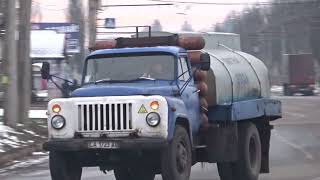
(183, 68)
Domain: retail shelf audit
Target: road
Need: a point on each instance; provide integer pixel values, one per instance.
(295, 150)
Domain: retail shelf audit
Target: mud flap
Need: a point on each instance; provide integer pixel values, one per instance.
(222, 141)
(265, 134)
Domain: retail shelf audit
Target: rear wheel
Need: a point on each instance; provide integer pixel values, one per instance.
(177, 158)
(63, 167)
(133, 174)
(248, 165)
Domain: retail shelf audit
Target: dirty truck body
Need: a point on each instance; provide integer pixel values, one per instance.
(142, 126)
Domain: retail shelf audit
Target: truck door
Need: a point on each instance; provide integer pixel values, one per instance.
(190, 95)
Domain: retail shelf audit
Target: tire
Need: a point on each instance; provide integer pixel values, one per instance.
(177, 157)
(248, 165)
(133, 174)
(309, 93)
(62, 167)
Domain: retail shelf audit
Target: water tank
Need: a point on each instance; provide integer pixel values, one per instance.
(235, 76)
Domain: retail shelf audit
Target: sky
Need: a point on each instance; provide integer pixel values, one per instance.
(201, 17)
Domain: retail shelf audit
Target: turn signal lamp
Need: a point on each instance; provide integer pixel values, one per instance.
(154, 105)
(56, 108)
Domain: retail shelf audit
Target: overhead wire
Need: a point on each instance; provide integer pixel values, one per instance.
(239, 3)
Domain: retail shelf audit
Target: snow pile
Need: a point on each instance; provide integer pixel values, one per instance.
(34, 114)
(35, 159)
(276, 90)
(38, 114)
(9, 138)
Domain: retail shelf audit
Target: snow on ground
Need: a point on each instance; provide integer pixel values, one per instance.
(33, 114)
(36, 158)
(276, 89)
(9, 138)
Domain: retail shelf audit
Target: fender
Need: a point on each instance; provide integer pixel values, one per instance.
(177, 109)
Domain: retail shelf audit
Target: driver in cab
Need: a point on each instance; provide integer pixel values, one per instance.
(156, 71)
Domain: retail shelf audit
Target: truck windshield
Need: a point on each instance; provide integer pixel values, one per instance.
(112, 69)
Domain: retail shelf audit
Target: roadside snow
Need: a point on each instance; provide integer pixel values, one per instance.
(6, 129)
(277, 89)
(33, 114)
(31, 132)
(36, 159)
(39, 153)
(9, 138)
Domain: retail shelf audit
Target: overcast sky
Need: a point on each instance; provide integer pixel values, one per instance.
(201, 17)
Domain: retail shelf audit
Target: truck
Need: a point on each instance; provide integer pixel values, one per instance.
(299, 74)
(154, 105)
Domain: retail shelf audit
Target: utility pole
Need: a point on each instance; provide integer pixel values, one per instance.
(93, 9)
(10, 58)
(76, 16)
(24, 61)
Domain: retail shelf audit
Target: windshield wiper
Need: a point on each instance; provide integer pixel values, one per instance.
(109, 81)
(145, 78)
(123, 81)
(141, 79)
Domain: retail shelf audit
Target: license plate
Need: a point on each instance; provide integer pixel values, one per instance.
(103, 145)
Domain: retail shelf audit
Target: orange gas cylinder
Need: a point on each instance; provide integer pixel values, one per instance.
(194, 57)
(202, 86)
(106, 44)
(191, 42)
(200, 75)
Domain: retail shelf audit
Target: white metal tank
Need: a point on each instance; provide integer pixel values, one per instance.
(235, 76)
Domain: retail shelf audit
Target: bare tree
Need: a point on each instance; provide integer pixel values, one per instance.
(76, 15)
(24, 61)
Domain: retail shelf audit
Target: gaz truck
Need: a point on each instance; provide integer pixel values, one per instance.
(159, 105)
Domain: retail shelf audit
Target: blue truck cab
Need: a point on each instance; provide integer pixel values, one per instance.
(137, 112)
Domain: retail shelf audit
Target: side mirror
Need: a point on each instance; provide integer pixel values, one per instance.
(205, 62)
(45, 70)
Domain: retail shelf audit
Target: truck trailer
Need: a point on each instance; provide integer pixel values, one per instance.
(299, 73)
(159, 105)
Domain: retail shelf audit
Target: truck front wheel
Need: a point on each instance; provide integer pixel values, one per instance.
(63, 167)
(176, 158)
(248, 165)
(133, 173)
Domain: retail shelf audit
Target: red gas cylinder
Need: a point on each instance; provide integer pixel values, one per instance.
(194, 57)
(202, 86)
(200, 75)
(191, 42)
(106, 44)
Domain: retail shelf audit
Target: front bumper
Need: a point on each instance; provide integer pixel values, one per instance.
(122, 144)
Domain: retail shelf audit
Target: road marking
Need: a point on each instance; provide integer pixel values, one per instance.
(293, 145)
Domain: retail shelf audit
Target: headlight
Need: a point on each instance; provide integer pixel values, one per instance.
(153, 119)
(58, 122)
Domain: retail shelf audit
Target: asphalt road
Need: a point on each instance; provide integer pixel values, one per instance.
(295, 150)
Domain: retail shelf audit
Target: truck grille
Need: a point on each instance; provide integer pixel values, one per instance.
(105, 117)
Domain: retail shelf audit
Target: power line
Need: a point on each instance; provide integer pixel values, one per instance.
(139, 5)
(239, 4)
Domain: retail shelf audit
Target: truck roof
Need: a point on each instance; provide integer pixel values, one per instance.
(174, 50)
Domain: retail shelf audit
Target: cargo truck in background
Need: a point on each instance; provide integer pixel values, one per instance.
(159, 105)
(299, 74)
